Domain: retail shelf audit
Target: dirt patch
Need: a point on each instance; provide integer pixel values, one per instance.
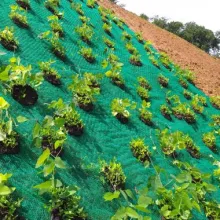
(186, 55)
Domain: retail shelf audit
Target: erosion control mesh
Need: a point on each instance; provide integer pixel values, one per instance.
(104, 137)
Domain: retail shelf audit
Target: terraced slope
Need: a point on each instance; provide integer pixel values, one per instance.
(207, 68)
(104, 136)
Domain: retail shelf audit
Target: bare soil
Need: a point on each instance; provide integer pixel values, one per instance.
(206, 67)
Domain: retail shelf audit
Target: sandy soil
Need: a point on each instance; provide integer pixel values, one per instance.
(186, 55)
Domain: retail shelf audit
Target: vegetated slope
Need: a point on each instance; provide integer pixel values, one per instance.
(186, 55)
(104, 136)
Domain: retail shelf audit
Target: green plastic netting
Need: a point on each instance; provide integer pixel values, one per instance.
(104, 137)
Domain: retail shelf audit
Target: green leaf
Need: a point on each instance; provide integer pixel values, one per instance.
(144, 201)
(5, 190)
(58, 143)
(110, 196)
(4, 74)
(21, 119)
(129, 193)
(120, 214)
(3, 104)
(59, 122)
(44, 187)
(48, 169)
(59, 163)
(44, 156)
(131, 213)
(36, 130)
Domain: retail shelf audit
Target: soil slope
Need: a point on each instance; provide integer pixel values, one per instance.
(186, 55)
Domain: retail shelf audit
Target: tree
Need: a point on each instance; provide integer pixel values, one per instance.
(175, 27)
(160, 22)
(144, 16)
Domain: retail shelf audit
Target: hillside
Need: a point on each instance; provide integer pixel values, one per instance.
(79, 90)
(186, 55)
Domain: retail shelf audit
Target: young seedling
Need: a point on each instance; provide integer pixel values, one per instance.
(21, 83)
(183, 82)
(56, 46)
(52, 5)
(135, 60)
(119, 108)
(25, 4)
(109, 43)
(83, 93)
(209, 140)
(7, 39)
(216, 120)
(144, 83)
(113, 174)
(143, 93)
(139, 38)
(91, 3)
(215, 101)
(188, 95)
(51, 135)
(85, 32)
(18, 15)
(49, 73)
(195, 103)
(154, 61)
(140, 151)
(131, 49)
(78, 8)
(166, 112)
(191, 147)
(9, 139)
(147, 46)
(84, 19)
(165, 60)
(107, 28)
(55, 25)
(163, 80)
(145, 114)
(87, 53)
(8, 204)
(73, 123)
(126, 35)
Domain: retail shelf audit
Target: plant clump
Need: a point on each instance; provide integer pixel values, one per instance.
(143, 93)
(145, 114)
(209, 140)
(25, 4)
(50, 74)
(140, 150)
(163, 80)
(144, 83)
(85, 32)
(165, 111)
(55, 25)
(7, 38)
(109, 43)
(113, 174)
(18, 15)
(87, 53)
(119, 108)
(215, 101)
(135, 60)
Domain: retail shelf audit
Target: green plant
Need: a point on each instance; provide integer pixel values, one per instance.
(165, 60)
(215, 101)
(147, 47)
(143, 93)
(78, 8)
(20, 82)
(134, 206)
(8, 205)
(145, 114)
(163, 80)
(188, 95)
(86, 52)
(84, 19)
(186, 74)
(93, 80)
(25, 4)
(113, 174)
(115, 72)
(195, 103)
(109, 43)
(119, 108)
(170, 142)
(139, 37)
(193, 150)
(18, 15)
(209, 140)
(8, 138)
(51, 135)
(135, 59)
(129, 46)
(144, 83)
(182, 111)
(126, 35)
(91, 3)
(50, 74)
(165, 111)
(107, 28)
(83, 93)
(56, 46)
(183, 82)
(216, 120)
(212, 209)
(55, 25)
(7, 38)
(154, 61)
(85, 32)
(140, 150)
(73, 124)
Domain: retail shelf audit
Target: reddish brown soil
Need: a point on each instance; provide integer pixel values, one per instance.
(186, 55)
